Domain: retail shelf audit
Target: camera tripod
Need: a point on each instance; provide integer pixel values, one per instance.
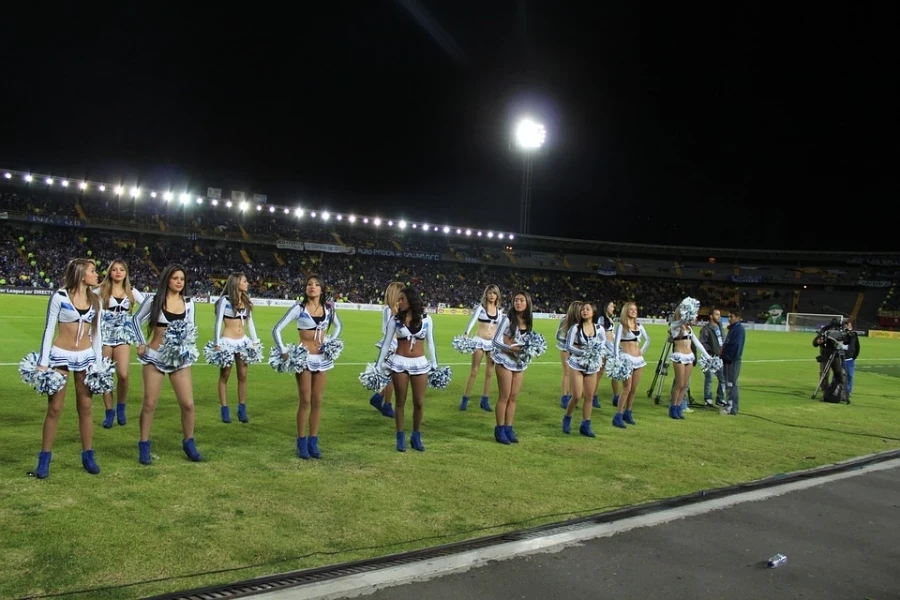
(839, 373)
(659, 377)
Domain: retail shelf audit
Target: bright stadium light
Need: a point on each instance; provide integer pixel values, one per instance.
(500, 235)
(446, 229)
(313, 214)
(530, 135)
(102, 188)
(352, 219)
(228, 204)
(366, 220)
(199, 200)
(49, 181)
(120, 190)
(298, 212)
(425, 226)
(414, 226)
(28, 178)
(135, 192)
(479, 234)
(402, 224)
(65, 183)
(340, 217)
(271, 209)
(325, 215)
(167, 196)
(377, 222)
(8, 175)
(258, 207)
(185, 198)
(244, 206)
(214, 202)
(287, 210)
(490, 234)
(83, 185)
(153, 194)
(510, 236)
(468, 232)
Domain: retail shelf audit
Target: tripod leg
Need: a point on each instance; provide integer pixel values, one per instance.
(823, 377)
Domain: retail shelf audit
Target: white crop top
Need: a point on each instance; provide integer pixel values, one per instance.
(480, 314)
(631, 336)
(576, 339)
(677, 334)
(61, 310)
(307, 322)
(398, 328)
(502, 330)
(165, 317)
(118, 305)
(224, 310)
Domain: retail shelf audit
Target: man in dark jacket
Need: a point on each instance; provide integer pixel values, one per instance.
(850, 355)
(732, 352)
(711, 337)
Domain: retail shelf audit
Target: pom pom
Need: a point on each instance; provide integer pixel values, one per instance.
(620, 367)
(594, 351)
(464, 344)
(222, 358)
(710, 364)
(532, 346)
(294, 363)
(251, 353)
(179, 347)
(331, 348)
(688, 309)
(46, 382)
(374, 379)
(116, 329)
(440, 378)
(100, 379)
(28, 368)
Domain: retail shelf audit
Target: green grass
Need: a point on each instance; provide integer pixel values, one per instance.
(254, 508)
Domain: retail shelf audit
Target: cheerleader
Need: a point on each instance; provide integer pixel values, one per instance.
(487, 314)
(682, 358)
(408, 365)
(234, 310)
(314, 319)
(571, 318)
(381, 401)
(75, 310)
(510, 368)
(629, 333)
(584, 376)
(167, 353)
(118, 299)
(609, 326)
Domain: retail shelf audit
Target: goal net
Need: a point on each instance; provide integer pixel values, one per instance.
(809, 322)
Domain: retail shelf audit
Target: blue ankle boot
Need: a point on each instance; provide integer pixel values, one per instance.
(242, 413)
(464, 403)
(88, 462)
(596, 402)
(678, 411)
(226, 414)
(567, 424)
(626, 416)
(585, 429)
(120, 413)
(376, 401)
(615, 400)
(191, 450)
(303, 448)
(144, 453)
(415, 440)
(511, 435)
(108, 420)
(314, 447)
(486, 404)
(672, 414)
(387, 410)
(401, 441)
(618, 421)
(564, 401)
(43, 468)
(500, 435)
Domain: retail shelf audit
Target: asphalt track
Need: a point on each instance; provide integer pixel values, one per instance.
(840, 534)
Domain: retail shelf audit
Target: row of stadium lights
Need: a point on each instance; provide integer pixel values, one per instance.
(298, 212)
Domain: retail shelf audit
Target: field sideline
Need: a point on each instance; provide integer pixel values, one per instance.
(253, 508)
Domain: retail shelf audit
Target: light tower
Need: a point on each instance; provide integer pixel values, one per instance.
(529, 137)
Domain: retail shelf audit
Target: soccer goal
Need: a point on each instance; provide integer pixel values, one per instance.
(809, 322)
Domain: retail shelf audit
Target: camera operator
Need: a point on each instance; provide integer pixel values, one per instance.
(850, 356)
(830, 342)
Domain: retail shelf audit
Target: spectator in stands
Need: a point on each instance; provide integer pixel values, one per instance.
(712, 336)
(314, 316)
(75, 311)
(487, 314)
(732, 352)
(119, 300)
(517, 322)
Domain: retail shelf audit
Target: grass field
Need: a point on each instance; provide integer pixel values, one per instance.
(253, 508)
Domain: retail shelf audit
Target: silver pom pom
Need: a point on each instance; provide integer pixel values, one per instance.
(28, 368)
(46, 382)
(100, 379)
(464, 344)
(295, 362)
(532, 346)
(374, 379)
(710, 364)
(688, 309)
(179, 347)
(116, 329)
(440, 378)
(620, 367)
(222, 358)
(251, 353)
(594, 351)
(331, 348)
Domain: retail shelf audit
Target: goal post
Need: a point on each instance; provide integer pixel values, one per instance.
(809, 322)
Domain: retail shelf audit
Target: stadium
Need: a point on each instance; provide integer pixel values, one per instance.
(252, 509)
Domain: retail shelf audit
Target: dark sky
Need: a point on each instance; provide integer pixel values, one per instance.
(728, 126)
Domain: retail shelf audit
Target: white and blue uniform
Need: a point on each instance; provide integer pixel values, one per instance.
(503, 354)
(151, 356)
(561, 336)
(403, 364)
(224, 310)
(575, 341)
(677, 334)
(387, 315)
(116, 316)
(480, 315)
(632, 336)
(306, 322)
(61, 310)
(609, 327)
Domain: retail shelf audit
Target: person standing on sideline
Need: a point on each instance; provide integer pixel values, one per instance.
(732, 351)
(851, 355)
(711, 337)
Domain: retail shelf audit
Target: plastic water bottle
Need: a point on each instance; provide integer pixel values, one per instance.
(777, 560)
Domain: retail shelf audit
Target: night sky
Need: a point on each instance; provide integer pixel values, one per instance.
(762, 127)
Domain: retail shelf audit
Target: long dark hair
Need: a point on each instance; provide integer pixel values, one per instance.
(526, 316)
(235, 295)
(162, 290)
(322, 299)
(416, 309)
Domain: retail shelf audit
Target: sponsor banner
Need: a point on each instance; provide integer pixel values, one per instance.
(873, 283)
(888, 335)
(765, 327)
(332, 248)
(23, 291)
(548, 316)
(62, 221)
(607, 271)
(289, 245)
(398, 254)
(260, 198)
(202, 299)
(214, 193)
(746, 278)
(446, 310)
